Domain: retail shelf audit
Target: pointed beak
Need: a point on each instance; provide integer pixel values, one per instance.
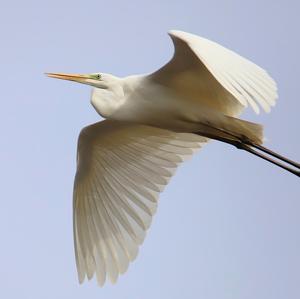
(71, 77)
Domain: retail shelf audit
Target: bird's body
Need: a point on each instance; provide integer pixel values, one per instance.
(184, 95)
(141, 100)
(148, 103)
(145, 101)
(154, 122)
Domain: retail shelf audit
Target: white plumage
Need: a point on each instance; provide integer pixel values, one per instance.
(246, 81)
(122, 168)
(126, 161)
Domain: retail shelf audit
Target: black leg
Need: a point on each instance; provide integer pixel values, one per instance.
(247, 145)
(277, 156)
(258, 154)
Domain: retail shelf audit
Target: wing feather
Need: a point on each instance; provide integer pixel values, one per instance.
(216, 76)
(121, 169)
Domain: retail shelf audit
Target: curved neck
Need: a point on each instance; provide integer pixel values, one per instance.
(107, 101)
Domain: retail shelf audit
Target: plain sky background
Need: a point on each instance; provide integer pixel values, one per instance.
(228, 225)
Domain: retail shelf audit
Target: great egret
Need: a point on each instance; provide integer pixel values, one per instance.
(154, 122)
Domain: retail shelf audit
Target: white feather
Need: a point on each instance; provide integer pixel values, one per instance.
(246, 82)
(122, 168)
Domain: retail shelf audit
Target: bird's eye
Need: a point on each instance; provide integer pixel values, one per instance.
(96, 76)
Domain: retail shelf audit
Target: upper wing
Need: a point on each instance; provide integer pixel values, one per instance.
(203, 70)
(121, 169)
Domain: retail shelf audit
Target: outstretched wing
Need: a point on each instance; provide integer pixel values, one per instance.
(205, 71)
(121, 169)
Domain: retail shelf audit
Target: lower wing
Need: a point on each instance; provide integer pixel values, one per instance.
(121, 170)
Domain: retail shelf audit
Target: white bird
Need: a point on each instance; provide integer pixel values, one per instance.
(154, 122)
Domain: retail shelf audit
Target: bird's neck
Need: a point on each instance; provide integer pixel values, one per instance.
(107, 101)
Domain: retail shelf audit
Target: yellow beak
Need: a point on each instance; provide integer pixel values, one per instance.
(71, 77)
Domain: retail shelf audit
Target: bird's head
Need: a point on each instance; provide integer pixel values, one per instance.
(107, 96)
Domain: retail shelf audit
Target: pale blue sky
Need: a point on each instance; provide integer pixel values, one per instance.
(228, 224)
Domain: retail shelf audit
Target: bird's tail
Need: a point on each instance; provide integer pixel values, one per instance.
(245, 129)
(227, 127)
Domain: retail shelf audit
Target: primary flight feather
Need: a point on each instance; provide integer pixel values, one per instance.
(154, 122)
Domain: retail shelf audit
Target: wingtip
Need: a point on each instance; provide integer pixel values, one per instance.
(100, 281)
(81, 278)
